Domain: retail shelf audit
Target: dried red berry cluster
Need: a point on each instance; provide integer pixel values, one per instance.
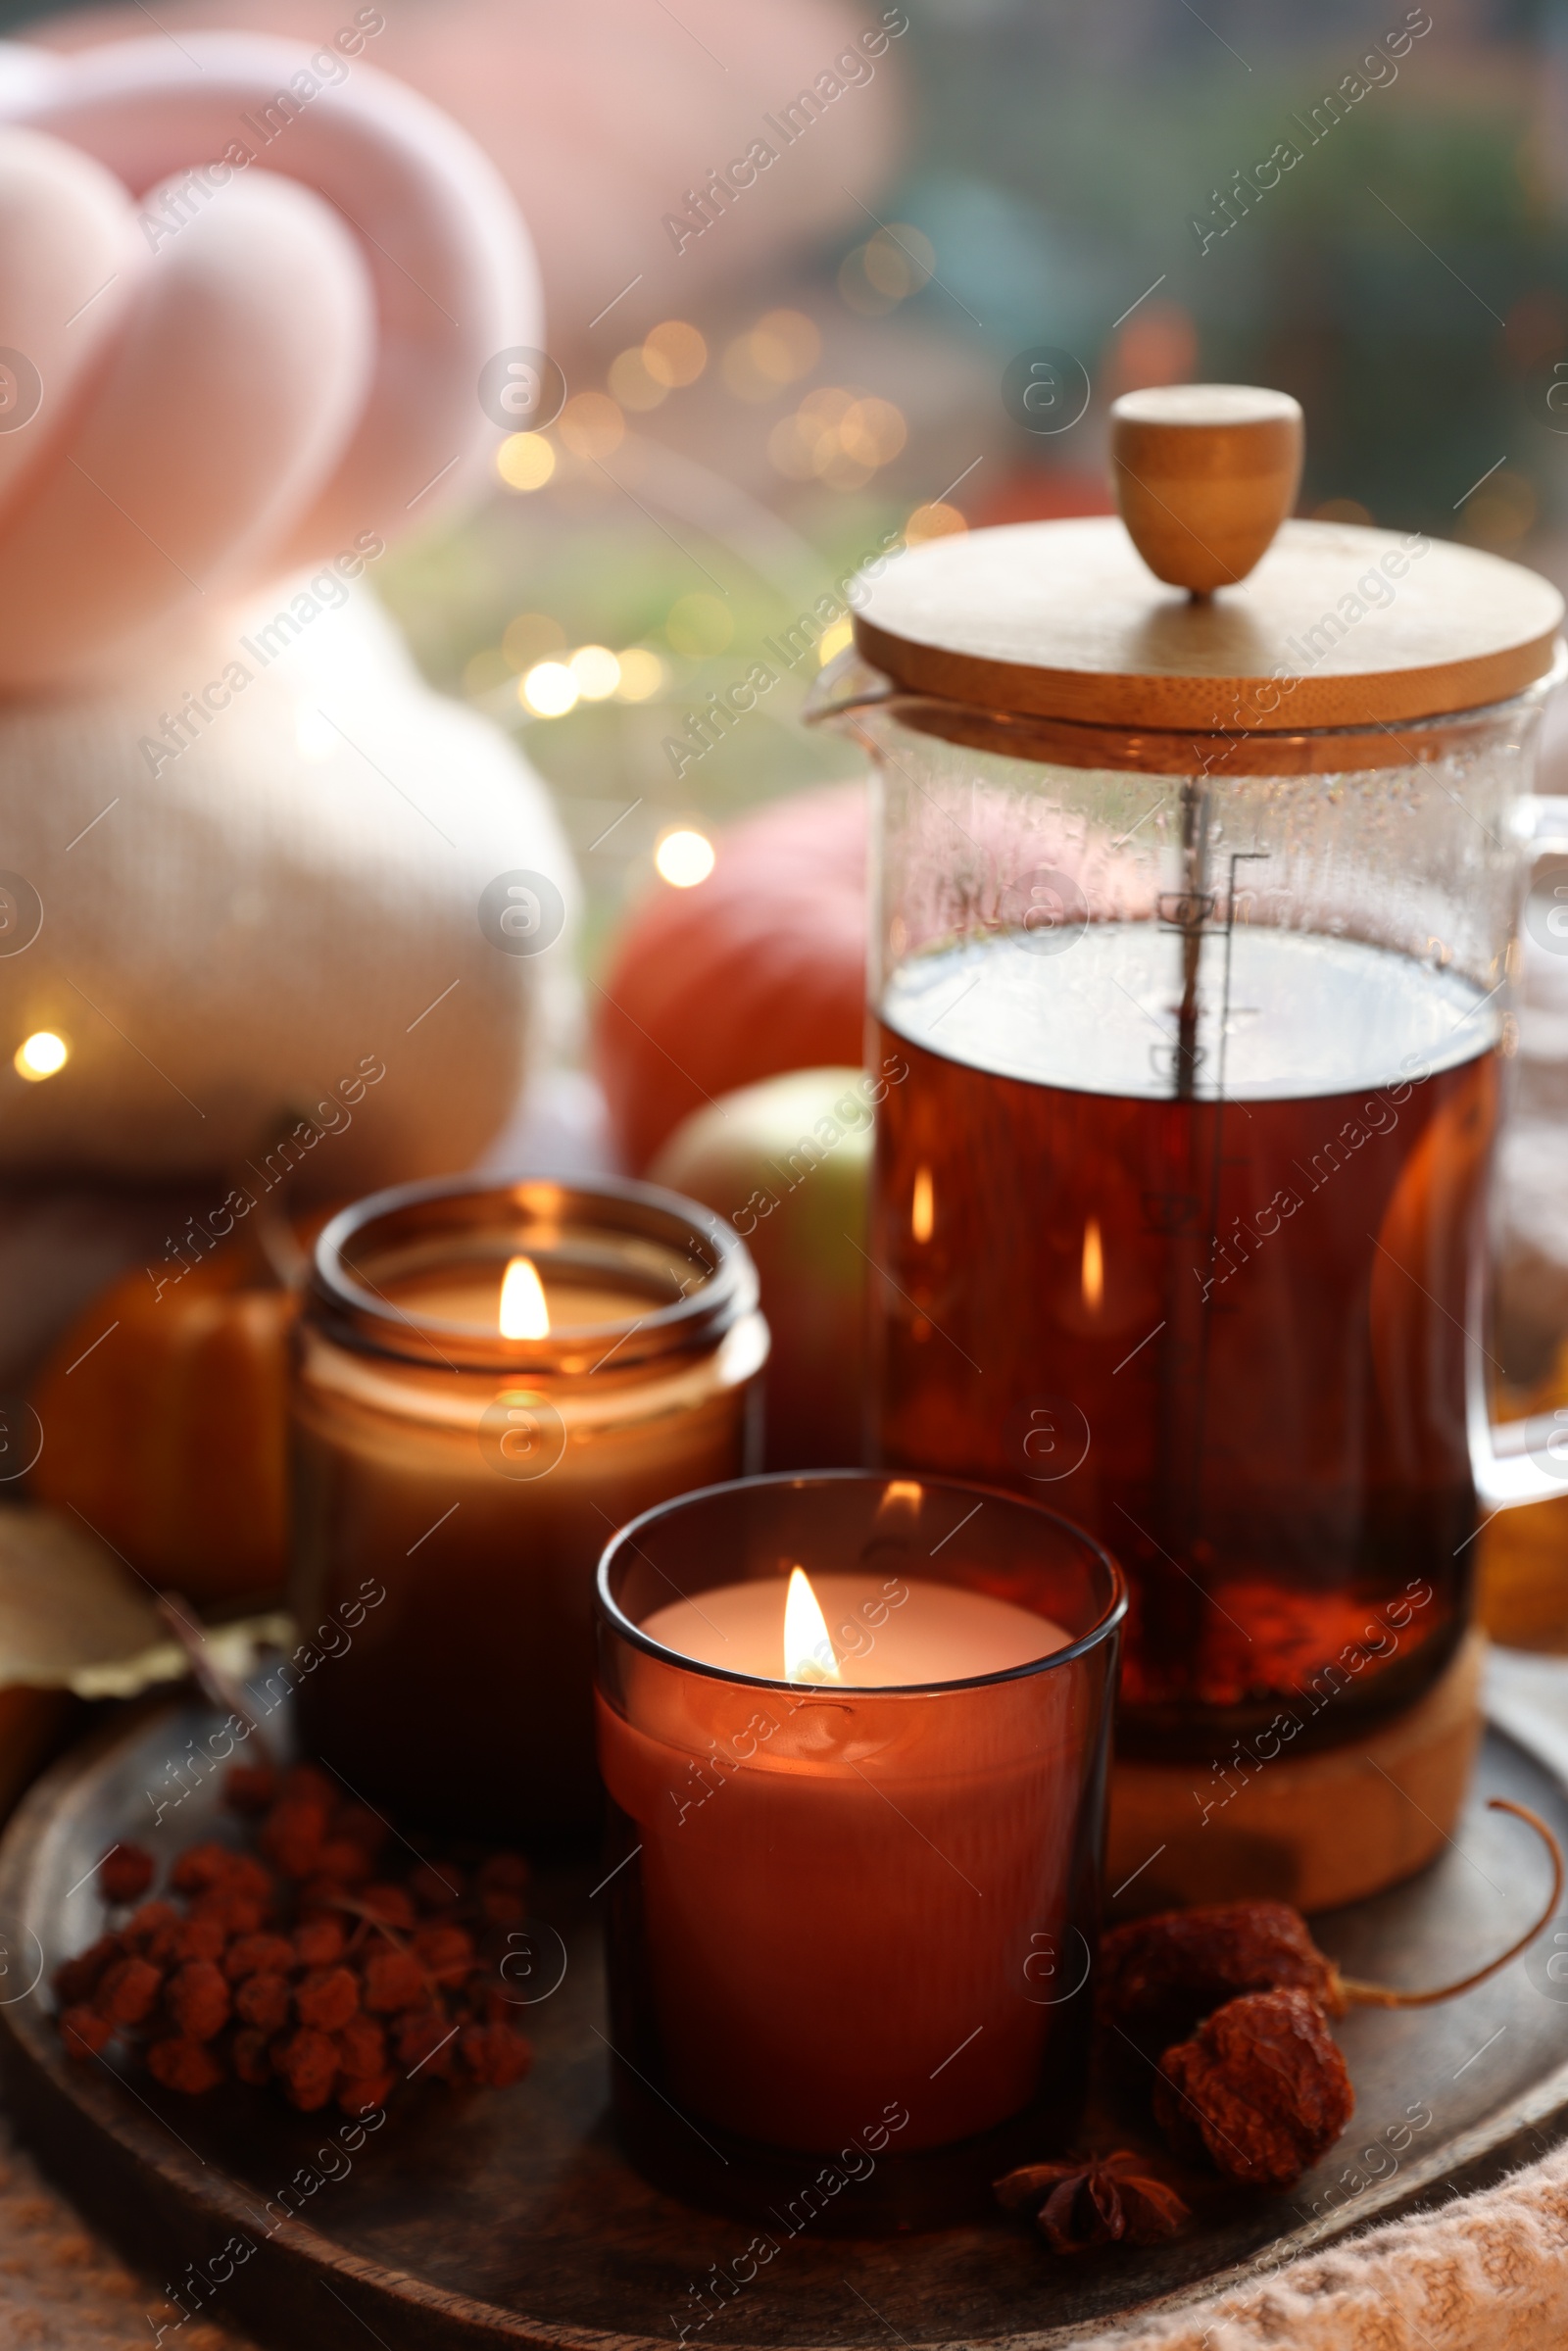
(304, 1962)
(1260, 2087)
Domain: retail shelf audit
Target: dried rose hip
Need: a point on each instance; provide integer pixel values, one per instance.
(446, 1953)
(344, 1860)
(78, 1978)
(258, 1954)
(363, 2093)
(361, 2046)
(263, 2000)
(320, 1941)
(362, 1826)
(152, 1929)
(293, 1834)
(388, 1903)
(125, 1874)
(1095, 2200)
(197, 1999)
(1159, 1975)
(507, 1871)
(393, 1980)
(307, 2062)
(305, 1968)
(436, 1889)
(230, 1910)
(1261, 2090)
(84, 2031)
(250, 2053)
(327, 1997)
(184, 2065)
(198, 1937)
(128, 1990)
(424, 2043)
(309, 1782)
(494, 2054)
(203, 1866)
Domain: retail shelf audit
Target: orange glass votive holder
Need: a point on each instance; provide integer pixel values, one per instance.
(855, 1892)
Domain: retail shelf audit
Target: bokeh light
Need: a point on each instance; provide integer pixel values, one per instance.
(674, 354)
(887, 269)
(526, 461)
(1500, 511)
(642, 675)
(549, 690)
(781, 348)
(838, 436)
(933, 521)
(596, 670)
(631, 382)
(699, 625)
(684, 858)
(590, 425)
(41, 1054)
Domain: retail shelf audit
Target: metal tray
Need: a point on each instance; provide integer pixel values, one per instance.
(510, 2216)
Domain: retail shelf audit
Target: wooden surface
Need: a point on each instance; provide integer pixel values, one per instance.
(1203, 475)
(1065, 620)
(511, 2217)
(1319, 1830)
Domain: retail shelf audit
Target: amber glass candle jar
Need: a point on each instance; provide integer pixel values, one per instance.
(475, 1476)
(852, 1881)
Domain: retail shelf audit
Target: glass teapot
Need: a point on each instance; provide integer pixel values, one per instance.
(1202, 846)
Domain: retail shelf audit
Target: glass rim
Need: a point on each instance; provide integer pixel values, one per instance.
(616, 1621)
(617, 1208)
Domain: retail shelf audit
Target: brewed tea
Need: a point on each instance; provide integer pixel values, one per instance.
(1195, 1272)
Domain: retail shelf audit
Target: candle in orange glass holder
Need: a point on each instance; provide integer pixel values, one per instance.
(853, 1731)
(489, 1379)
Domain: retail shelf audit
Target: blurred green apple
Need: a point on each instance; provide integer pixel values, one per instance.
(788, 1162)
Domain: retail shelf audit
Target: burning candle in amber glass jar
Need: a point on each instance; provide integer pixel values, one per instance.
(491, 1379)
(853, 1731)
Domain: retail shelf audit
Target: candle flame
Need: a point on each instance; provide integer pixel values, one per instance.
(1093, 1266)
(922, 1212)
(524, 1311)
(808, 1654)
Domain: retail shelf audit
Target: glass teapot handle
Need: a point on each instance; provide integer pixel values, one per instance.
(1516, 1462)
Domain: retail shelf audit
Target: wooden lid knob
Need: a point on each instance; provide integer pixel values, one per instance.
(1203, 475)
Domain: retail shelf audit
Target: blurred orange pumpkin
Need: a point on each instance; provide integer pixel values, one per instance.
(164, 1424)
(757, 970)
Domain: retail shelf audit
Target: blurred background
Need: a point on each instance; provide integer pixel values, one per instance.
(1027, 173)
(748, 409)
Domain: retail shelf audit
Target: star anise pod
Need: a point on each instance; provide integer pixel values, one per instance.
(1095, 2200)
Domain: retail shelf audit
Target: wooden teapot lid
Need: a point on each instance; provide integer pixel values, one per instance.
(1201, 608)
